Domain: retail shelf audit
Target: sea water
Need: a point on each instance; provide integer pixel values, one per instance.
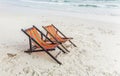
(98, 7)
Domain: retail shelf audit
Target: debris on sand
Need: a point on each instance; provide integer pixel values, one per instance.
(11, 55)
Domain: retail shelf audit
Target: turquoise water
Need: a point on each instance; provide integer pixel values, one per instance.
(103, 7)
(72, 3)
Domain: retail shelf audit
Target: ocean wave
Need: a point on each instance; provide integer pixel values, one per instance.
(87, 5)
(110, 7)
(98, 6)
(78, 3)
(75, 1)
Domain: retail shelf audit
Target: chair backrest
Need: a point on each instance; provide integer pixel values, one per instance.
(32, 32)
(53, 31)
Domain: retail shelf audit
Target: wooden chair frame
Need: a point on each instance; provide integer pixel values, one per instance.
(61, 34)
(43, 49)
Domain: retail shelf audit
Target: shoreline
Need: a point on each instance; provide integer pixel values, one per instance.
(97, 39)
(9, 10)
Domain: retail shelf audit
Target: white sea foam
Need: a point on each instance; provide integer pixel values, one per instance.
(81, 3)
(99, 7)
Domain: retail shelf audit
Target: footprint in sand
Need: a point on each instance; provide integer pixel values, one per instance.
(30, 72)
(107, 74)
(89, 68)
(91, 34)
(103, 31)
(97, 44)
(115, 73)
(90, 28)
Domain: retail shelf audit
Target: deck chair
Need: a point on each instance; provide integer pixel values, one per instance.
(36, 38)
(55, 34)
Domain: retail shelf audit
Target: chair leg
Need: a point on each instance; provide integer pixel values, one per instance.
(61, 49)
(72, 43)
(64, 35)
(65, 48)
(30, 44)
(47, 53)
(38, 50)
(53, 57)
(57, 54)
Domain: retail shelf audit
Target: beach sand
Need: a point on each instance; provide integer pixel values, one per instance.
(97, 52)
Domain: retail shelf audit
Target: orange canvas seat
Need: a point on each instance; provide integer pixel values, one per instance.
(52, 31)
(35, 35)
(36, 38)
(56, 35)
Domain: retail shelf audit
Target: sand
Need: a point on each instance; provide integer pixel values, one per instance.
(97, 52)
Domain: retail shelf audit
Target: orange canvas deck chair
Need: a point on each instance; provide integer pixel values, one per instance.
(36, 38)
(55, 34)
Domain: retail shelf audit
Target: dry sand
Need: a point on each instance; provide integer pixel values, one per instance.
(97, 52)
